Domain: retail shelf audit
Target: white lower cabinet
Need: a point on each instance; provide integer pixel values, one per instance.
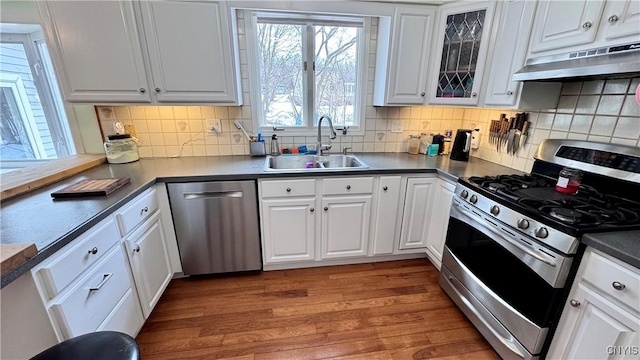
(288, 230)
(416, 219)
(345, 226)
(601, 318)
(149, 261)
(442, 198)
(385, 220)
(341, 220)
(96, 291)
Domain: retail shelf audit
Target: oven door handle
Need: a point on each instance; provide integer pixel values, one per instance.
(503, 339)
(456, 207)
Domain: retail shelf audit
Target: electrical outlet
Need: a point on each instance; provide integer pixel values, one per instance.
(131, 129)
(396, 126)
(214, 126)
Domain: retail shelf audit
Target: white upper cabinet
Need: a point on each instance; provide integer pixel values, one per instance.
(462, 35)
(562, 24)
(164, 51)
(622, 21)
(509, 55)
(96, 50)
(566, 26)
(404, 46)
(190, 51)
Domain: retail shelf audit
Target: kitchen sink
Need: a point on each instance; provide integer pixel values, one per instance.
(323, 162)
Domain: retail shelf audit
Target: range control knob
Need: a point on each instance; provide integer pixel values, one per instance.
(542, 232)
(473, 199)
(464, 194)
(523, 224)
(495, 210)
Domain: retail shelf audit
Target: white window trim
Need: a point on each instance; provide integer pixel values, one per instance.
(14, 82)
(55, 108)
(254, 82)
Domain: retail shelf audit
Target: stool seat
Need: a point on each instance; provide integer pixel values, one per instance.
(102, 345)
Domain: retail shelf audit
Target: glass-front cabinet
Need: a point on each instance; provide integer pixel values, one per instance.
(461, 51)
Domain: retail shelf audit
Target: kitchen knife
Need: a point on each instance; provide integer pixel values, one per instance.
(512, 124)
(525, 133)
(518, 133)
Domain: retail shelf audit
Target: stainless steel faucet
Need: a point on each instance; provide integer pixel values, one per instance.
(332, 135)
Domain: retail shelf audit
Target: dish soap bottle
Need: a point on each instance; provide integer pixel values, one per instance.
(275, 147)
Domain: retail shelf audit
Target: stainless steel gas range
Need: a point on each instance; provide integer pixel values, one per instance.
(513, 241)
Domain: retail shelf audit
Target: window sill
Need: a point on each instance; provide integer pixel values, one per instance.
(27, 179)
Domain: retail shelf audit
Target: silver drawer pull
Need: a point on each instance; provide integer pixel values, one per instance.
(105, 278)
(144, 210)
(93, 251)
(618, 285)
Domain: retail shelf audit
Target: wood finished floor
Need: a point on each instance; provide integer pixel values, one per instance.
(378, 311)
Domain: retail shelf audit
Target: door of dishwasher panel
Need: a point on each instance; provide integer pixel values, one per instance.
(216, 226)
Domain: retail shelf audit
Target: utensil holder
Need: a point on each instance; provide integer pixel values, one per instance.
(257, 148)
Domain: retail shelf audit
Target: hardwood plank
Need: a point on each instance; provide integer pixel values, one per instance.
(391, 310)
(270, 334)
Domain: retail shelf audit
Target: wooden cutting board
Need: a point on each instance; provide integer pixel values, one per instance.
(12, 255)
(92, 187)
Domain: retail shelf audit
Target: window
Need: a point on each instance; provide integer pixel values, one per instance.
(307, 66)
(33, 125)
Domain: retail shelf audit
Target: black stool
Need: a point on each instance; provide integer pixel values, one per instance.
(102, 345)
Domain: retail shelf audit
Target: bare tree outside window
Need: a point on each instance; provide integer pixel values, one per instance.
(333, 60)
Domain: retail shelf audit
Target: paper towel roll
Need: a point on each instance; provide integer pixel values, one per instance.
(475, 139)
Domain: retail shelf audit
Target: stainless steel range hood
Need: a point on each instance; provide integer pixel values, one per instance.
(607, 62)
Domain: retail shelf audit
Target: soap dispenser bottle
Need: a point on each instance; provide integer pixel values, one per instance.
(275, 147)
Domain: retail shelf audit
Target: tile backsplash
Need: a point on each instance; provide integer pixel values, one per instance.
(600, 110)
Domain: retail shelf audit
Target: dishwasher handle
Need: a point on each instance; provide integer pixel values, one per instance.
(212, 195)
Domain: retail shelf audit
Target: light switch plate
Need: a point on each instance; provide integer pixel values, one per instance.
(131, 129)
(396, 126)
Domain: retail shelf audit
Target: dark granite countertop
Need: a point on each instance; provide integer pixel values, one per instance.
(36, 217)
(623, 245)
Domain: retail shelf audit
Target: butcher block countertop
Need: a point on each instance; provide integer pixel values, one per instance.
(13, 255)
(51, 224)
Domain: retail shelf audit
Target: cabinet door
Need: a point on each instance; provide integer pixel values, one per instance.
(621, 20)
(561, 24)
(345, 226)
(594, 329)
(462, 51)
(190, 50)
(441, 206)
(407, 57)
(385, 224)
(509, 52)
(96, 50)
(416, 218)
(149, 262)
(288, 230)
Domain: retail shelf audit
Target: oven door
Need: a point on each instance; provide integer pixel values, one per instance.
(517, 280)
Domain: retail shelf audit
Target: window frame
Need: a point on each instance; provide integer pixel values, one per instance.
(250, 18)
(58, 114)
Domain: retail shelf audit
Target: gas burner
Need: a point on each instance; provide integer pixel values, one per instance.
(496, 186)
(565, 215)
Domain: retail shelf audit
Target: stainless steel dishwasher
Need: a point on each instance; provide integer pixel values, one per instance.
(216, 226)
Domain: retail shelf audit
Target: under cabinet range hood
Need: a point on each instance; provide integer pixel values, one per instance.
(619, 61)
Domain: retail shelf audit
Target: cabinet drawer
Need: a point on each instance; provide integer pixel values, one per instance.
(126, 317)
(344, 186)
(134, 214)
(83, 252)
(84, 307)
(283, 188)
(602, 273)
